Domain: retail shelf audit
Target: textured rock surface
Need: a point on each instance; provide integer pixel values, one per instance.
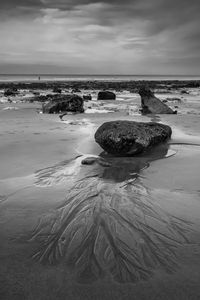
(64, 103)
(151, 104)
(106, 95)
(125, 138)
(10, 92)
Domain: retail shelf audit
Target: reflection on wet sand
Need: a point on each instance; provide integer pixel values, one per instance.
(110, 225)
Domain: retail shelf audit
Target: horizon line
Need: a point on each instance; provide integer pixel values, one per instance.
(58, 74)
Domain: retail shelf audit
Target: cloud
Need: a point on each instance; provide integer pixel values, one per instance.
(138, 36)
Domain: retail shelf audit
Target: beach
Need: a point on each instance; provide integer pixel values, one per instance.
(42, 184)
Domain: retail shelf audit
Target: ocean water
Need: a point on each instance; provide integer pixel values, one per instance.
(57, 77)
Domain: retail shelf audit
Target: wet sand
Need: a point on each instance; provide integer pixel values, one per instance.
(127, 231)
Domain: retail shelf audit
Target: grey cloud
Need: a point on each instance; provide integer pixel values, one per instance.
(164, 30)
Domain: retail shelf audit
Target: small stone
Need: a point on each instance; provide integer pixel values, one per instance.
(89, 161)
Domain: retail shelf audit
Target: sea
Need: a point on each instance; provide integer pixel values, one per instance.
(57, 77)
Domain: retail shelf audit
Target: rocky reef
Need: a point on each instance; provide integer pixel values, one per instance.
(130, 85)
(127, 138)
(12, 91)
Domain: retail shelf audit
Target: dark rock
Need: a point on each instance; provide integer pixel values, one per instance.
(64, 103)
(106, 95)
(126, 138)
(36, 93)
(57, 90)
(89, 161)
(151, 104)
(10, 92)
(87, 97)
(184, 92)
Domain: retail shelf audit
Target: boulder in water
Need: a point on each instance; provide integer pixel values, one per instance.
(64, 103)
(151, 104)
(127, 138)
(106, 95)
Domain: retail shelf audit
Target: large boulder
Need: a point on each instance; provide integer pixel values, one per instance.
(106, 95)
(64, 103)
(151, 104)
(127, 138)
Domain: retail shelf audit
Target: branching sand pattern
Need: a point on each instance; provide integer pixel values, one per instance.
(65, 171)
(57, 173)
(108, 228)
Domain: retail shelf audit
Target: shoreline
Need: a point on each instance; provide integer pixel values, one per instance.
(42, 148)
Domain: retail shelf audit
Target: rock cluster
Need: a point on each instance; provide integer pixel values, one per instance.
(127, 138)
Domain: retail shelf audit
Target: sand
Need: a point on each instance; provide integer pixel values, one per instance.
(40, 162)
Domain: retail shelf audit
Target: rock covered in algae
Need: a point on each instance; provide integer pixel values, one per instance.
(126, 138)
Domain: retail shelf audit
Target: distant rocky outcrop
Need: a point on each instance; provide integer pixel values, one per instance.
(127, 138)
(151, 104)
(10, 92)
(63, 103)
(106, 95)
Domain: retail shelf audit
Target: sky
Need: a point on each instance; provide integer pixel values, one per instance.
(138, 37)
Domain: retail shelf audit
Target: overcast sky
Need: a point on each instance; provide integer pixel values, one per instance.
(100, 37)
